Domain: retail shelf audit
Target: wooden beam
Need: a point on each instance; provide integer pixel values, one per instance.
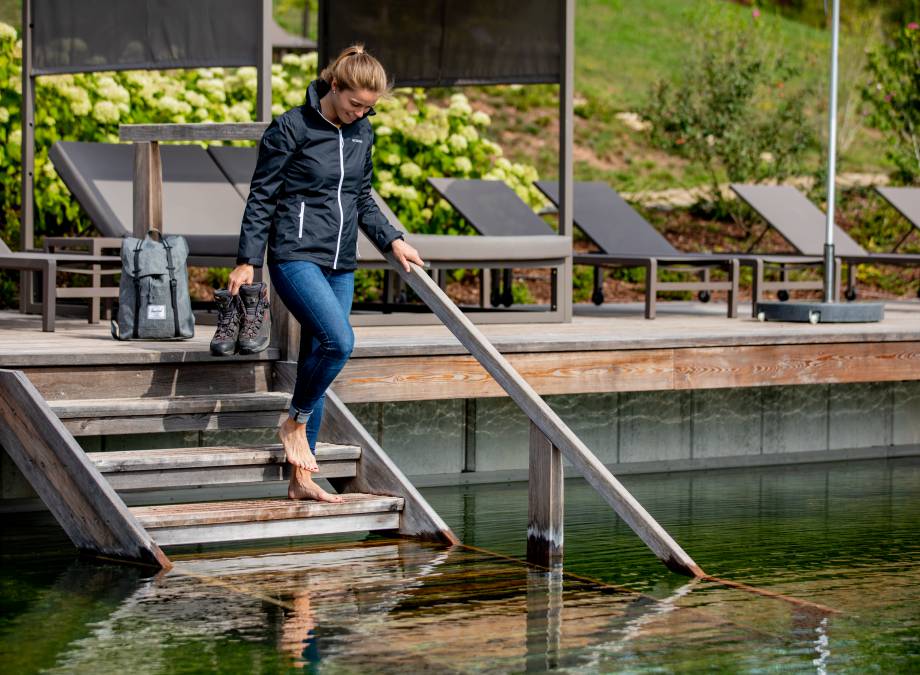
(86, 506)
(408, 378)
(148, 189)
(544, 501)
(206, 131)
(557, 431)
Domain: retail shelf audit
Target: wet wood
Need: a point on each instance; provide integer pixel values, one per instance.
(378, 473)
(94, 517)
(210, 513)
(552, 426)
(545, 501)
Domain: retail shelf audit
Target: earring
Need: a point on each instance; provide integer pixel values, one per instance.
(333, 90)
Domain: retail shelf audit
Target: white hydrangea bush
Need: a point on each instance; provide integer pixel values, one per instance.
(416, 139)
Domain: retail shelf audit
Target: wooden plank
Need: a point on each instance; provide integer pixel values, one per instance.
(796, 364)
(221, 475)
(294, 527)
(186, 405)
(150, 380)
(545, 501)
(208, 131)
(211, 513)
(189, 458)
(557, 431)
(447, 377)
(377, 473)
(92, 515)
(132, 424)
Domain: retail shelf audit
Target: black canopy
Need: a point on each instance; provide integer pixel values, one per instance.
(94, 35)
(429, 43)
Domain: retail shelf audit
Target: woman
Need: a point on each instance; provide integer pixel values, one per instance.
(310, 190)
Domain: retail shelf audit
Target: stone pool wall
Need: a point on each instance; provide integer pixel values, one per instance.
(487, 439)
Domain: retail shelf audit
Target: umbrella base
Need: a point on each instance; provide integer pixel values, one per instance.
(821, 312)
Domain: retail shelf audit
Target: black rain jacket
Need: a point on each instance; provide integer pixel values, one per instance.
(311, 189)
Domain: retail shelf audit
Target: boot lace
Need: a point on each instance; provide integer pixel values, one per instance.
(228, 320)
(254, 321)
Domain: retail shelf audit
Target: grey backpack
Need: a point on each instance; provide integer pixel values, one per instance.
(153, 299)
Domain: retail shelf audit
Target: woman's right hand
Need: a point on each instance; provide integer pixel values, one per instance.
(241, 274)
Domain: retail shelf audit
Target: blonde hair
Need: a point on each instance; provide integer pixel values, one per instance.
(355, 69)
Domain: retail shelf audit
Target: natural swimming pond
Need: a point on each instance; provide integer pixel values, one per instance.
(841, 541)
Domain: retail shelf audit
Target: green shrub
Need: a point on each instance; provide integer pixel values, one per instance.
(734, 108)
(415, 139)
(893, 95)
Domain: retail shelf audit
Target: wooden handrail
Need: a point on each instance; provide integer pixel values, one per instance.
(552, 427)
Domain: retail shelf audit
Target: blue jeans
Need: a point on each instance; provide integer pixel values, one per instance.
(320, 300)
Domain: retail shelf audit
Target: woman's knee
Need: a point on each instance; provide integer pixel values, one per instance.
(339, 343)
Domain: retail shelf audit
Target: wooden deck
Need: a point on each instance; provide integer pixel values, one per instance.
(689, 346)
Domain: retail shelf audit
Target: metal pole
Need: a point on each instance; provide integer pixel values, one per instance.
(27, 158)
(566, 139)
(829, 275)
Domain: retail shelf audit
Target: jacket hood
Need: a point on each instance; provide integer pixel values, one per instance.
(319, 88)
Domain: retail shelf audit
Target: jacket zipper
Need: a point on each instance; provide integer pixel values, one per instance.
(300, 230)
(338, 242)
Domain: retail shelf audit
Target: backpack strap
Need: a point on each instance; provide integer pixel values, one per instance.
(172, 284)
(137, 288)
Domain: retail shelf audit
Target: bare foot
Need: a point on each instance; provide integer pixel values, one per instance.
(303, 487)
(294, 439)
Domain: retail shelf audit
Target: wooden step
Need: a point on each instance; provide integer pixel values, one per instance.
(92, 417)
(208, 522)
(194, 467)
(168, 378)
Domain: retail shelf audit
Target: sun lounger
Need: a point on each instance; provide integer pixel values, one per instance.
(907, 201)
(803, 225)
(49, 264)
(491, 206)
(198, 201)
(441, 252)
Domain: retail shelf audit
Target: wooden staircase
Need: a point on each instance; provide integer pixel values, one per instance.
(196, 495)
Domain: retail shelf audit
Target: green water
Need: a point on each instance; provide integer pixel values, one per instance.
(841, 541)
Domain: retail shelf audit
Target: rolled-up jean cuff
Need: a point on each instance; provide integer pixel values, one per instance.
(299, 416)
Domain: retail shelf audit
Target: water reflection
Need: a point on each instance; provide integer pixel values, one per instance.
(841, 536)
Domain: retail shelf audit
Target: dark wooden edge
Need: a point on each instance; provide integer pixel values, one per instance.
(91, 513)
(376, 472)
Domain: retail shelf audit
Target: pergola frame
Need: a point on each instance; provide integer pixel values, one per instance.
(147, 155)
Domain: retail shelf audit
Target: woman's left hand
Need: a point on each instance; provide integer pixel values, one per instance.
(405, 254)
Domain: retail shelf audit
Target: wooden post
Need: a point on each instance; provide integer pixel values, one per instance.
(148, 188)
(264, 65)
(544, 501)
(566, 142)
(544, 620)
(81, 500)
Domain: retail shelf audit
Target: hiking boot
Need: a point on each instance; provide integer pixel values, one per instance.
(255, 331)
(229, 318)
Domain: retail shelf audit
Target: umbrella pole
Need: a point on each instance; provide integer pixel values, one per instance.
(829, 261)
